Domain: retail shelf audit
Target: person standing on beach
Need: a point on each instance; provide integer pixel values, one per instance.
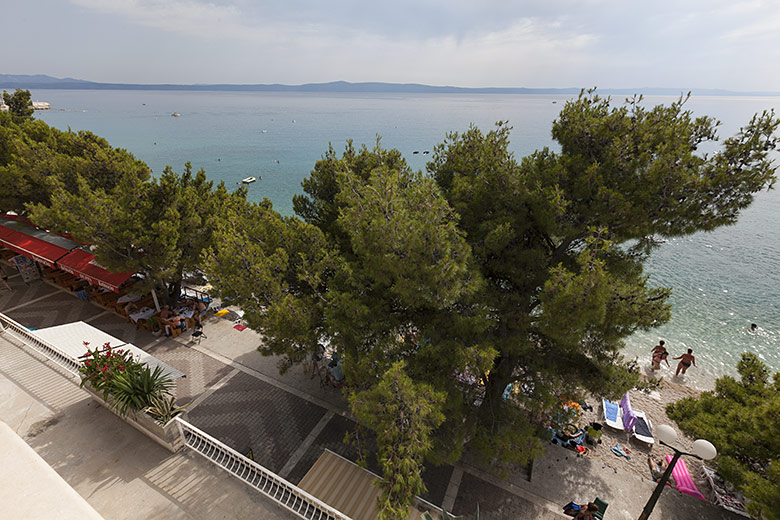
(658, 357)
(685, 362)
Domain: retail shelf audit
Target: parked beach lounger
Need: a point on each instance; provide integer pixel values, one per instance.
(613, 415)
(643, 428)
(683, 478)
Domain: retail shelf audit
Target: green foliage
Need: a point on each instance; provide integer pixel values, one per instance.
(274, 268)
(132, 385)
(134, 390)
(560, 238)
(158, 228)
(19, 103)
(490, 271)
(742, 419)
(102, 365)
(403, 414)
(163, 408)
(35, 158)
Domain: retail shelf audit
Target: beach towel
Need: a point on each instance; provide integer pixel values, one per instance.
(239, 327)
(612, 414)
(683, 479)
(642, 428)
(629, 418)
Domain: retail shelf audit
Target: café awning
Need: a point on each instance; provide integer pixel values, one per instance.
(40, 245)
(82, 264)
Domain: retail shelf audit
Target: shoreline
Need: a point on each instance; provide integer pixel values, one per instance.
(654, 405)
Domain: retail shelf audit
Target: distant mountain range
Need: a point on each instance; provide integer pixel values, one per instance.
(42, 81)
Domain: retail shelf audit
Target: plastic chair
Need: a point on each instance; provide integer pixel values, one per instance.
(602, 508)
(197, 334)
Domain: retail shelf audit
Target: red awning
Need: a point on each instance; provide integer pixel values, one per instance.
(32, 247)
(82, 264)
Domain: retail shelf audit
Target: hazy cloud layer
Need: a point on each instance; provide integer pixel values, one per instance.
(609, 43)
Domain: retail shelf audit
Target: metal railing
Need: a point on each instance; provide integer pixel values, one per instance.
(284, 493)
(29, 338)
(189, 292)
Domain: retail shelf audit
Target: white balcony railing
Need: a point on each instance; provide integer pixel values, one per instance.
(268, 483)
(29, 338)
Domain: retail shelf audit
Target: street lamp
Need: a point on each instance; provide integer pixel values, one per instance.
(666, 435)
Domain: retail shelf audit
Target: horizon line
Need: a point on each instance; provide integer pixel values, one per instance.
(42, 81)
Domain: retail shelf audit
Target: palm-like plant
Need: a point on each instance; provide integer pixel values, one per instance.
(163, 409)
(134, 390)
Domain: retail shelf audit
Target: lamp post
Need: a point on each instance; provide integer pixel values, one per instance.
(666, 435)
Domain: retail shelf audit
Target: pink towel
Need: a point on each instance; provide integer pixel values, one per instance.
(683, 478)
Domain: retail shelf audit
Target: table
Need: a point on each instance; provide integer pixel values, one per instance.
(142, 314)
(127, 298)
(184, 312)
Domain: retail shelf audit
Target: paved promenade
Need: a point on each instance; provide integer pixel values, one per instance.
(238, 396)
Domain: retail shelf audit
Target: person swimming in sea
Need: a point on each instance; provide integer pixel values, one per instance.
(753, 328)
(685, 362)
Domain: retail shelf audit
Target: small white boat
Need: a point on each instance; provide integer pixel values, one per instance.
(248, 180)
(176, 114)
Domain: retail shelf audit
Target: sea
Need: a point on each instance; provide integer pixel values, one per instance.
(722, 281)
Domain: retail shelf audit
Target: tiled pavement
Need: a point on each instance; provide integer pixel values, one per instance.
(247, 413)
(241, 410)
(203, 372)
(55, 309)
(241, 399)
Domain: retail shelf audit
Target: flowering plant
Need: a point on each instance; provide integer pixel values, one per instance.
(102, 364)
(114, 371)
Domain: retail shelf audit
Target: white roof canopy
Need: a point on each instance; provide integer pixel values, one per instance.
(70, 338)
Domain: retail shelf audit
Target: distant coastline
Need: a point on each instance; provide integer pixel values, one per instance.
(41, 81)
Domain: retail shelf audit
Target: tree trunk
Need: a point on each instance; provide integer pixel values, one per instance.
(173, 291)
(500, 376)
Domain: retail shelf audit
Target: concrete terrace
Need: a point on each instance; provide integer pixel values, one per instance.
(239, 397)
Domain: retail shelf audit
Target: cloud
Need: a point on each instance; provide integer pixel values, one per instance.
(199, 19)
(766, 28)
(457, 42)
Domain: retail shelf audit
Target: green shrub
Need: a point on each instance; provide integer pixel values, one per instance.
(114, 372)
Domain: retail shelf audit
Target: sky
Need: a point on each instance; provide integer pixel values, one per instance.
(732, 45)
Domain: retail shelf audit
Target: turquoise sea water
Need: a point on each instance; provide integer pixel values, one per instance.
(722, 281)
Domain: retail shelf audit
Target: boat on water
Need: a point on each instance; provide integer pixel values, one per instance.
(248, 180)
(175, 114)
